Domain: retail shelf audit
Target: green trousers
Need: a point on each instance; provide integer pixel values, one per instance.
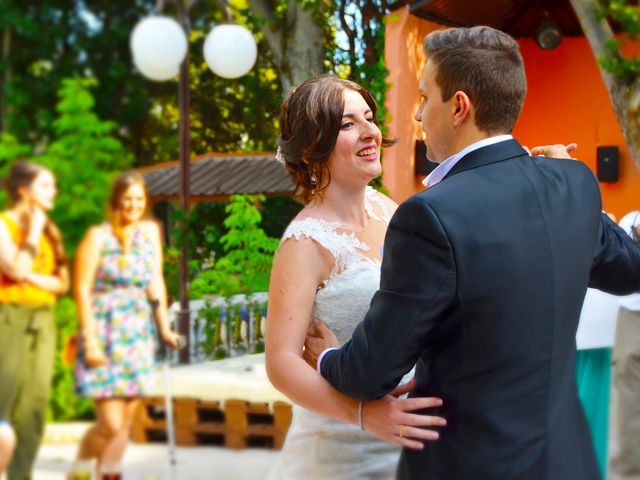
(27, 351)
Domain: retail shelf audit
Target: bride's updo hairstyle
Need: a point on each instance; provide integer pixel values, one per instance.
(310, 120)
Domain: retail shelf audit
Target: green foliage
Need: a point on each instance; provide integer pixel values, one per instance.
(233, 326)
(55, 39)
(277, 213)
(361, 59)
(83, 157)
(212, 344)
(171, 271)
(204, 234)
(618, 65)
(246, 265)
(626, 13)
(63, 403)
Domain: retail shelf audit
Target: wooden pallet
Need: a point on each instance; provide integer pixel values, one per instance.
(149, 423)
(199, 422)
(234, 423)
(255, 424)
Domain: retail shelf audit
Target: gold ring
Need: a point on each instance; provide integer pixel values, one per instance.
(402, 427)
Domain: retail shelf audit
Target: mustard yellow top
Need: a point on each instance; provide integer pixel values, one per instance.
(44, 263)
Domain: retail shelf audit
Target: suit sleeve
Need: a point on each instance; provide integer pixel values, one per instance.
(616, 261)
(418, 284)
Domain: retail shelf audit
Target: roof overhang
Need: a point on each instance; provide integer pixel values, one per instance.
(216, 176)
(519, 18)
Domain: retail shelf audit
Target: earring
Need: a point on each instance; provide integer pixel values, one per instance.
(313, 179)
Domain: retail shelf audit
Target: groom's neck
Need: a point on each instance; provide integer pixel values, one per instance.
(469, 136)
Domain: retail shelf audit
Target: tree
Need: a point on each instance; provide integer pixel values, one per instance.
(294, 32)
(621, 74)
(246, 265)
(83, 157)
(44, 41)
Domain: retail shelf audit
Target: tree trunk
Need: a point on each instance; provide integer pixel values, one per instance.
(295, 41)
(624, 92)
(6, 61)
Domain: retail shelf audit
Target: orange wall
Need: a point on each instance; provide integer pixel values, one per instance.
(566, 102)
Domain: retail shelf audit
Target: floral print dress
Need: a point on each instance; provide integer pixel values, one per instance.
(122, 317)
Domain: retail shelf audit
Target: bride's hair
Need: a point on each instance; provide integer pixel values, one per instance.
(310, 120)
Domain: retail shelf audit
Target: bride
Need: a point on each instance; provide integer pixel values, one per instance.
(327, 268)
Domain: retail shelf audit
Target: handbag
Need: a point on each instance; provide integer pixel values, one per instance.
(70, 350)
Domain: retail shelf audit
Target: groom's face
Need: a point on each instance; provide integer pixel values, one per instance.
(435, 116)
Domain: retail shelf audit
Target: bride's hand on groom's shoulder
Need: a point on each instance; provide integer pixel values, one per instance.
(393, 419)
(319, 338)
(554, 151)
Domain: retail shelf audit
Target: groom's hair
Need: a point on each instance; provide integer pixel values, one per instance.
(484, 63)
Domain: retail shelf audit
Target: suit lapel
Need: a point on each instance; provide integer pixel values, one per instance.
(498, 152)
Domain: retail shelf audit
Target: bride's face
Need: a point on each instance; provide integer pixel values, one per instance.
(356, 155)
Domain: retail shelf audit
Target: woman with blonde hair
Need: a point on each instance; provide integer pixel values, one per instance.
(118, 285)
(33, 272)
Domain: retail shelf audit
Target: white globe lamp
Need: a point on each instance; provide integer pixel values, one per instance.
(230, 51)
(154, 72)
(158, 45)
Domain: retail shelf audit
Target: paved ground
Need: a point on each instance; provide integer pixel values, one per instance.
(151, 461)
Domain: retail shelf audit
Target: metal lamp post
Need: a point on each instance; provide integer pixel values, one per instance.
(160, 51)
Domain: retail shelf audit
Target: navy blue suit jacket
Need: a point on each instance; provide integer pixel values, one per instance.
(483, 280)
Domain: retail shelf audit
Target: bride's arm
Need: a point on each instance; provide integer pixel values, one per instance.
(298, 268)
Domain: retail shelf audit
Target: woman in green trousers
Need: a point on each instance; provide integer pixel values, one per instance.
(33, 272)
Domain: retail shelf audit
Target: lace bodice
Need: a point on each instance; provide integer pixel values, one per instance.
(318, 447)
(344, 299)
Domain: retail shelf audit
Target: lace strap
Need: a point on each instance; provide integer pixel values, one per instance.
(326, 234)
(373, 197)
(345, 247)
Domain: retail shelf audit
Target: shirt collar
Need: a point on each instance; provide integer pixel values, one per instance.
(441, 170)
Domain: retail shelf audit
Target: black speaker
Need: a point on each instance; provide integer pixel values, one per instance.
(607, 164)
(422, 165)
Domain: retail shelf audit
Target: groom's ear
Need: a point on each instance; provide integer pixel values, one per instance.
(462, 107)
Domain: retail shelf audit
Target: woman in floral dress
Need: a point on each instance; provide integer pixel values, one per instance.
(119, 280)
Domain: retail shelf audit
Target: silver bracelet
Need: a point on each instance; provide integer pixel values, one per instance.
(360, 405)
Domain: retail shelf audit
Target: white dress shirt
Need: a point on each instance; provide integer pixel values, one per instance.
(441, 170)
(629, 221)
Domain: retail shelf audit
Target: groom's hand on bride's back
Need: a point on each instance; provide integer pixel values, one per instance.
(394, 419)
(389, 418)
(319, 338)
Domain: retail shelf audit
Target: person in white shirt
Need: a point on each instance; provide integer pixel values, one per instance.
(625, 455)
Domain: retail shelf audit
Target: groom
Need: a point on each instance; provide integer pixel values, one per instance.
(483, 279)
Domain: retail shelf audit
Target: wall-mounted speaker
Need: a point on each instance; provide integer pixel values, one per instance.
(607, 164)
(422, 165)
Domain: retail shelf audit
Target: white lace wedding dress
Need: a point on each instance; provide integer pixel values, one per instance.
(318, 447)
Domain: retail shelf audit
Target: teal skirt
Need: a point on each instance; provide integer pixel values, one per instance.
(593, 374)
